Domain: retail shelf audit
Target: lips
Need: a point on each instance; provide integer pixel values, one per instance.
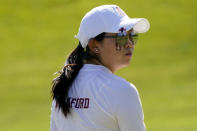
(128, 54)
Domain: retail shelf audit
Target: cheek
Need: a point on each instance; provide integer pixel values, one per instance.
(109, 52)
(109, 48)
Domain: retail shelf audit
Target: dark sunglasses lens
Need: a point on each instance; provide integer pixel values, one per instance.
(122, 40)
(134, 38)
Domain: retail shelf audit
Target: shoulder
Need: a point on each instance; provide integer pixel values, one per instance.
(53, 105)
(117, 82)
(116, 85)
(103, 80)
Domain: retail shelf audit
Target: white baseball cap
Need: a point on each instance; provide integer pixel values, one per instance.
(108, 18)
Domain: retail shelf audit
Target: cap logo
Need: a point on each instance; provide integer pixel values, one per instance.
(122, 31)
(119, 11)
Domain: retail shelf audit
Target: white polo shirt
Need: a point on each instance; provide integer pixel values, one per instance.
(101, 101)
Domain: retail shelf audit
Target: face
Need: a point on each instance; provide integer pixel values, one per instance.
(114, 56)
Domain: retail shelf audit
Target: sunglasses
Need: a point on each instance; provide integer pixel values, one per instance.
(122, 38)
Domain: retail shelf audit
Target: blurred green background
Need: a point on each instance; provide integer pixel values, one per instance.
(36, 36)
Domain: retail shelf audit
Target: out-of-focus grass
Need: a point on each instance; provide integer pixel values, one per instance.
(37, 35)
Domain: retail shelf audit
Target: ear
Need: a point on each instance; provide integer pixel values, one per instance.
(93, 45)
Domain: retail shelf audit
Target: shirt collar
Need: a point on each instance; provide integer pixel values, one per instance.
(96, 67)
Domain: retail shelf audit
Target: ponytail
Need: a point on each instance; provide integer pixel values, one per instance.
(62, 83)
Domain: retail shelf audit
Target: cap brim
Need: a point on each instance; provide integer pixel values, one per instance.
(139, 25)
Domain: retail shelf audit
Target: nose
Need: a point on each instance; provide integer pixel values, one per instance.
(129, 44)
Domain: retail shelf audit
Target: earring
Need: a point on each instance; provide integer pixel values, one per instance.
(96, 50)
(118, 48)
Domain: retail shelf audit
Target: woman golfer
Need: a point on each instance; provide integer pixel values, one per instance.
(87, 96)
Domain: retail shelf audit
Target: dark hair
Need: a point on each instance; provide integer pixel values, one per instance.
(62, 83)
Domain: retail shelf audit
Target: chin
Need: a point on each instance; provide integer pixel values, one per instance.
(125, 64)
